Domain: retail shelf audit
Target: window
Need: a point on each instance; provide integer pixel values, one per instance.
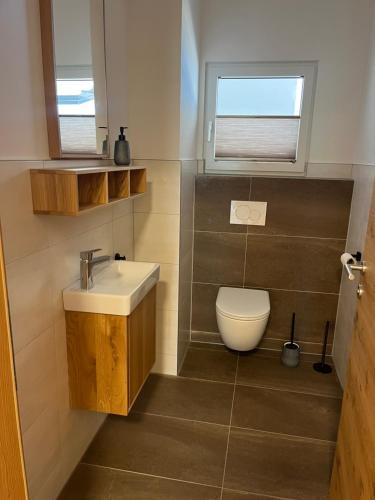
(258, 116)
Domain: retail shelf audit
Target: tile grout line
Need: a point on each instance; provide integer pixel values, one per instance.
(267, 288)
(246, 243)
(293, 391)
(194, 421)
(268, 387)
(127, 471)
(184, 481)
(230, 424)
(267, 235)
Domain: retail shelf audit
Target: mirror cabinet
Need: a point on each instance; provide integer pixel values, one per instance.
(73, 48)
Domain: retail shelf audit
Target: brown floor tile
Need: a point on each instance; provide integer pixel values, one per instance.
(239, 495)
(88, 483)
(328, 200)
(268, 372)
(161, 446)
(219, 258)
(280, 466)
(292, 263)
(213, 195)
(185, 398)
(286, 412)
(128, 486)
(210, 365)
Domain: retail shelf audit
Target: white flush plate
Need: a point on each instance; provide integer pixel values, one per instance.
(250, 213)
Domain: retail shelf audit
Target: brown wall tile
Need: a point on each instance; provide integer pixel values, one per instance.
(304, 207)
(307, 348)
(313, 213)
(292, 263)
(204, 307)
(213, 195)
(219, 258)
(312, 311)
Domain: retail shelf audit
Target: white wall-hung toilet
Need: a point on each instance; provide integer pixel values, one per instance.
(242, 316)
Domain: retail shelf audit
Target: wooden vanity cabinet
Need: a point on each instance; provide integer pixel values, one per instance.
(110, 357)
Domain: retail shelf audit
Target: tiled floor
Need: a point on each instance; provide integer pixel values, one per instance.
(231, 427)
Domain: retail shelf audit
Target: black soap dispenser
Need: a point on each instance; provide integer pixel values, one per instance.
(122, 149)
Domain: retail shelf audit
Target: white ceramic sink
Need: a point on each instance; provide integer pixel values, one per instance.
(118, 289)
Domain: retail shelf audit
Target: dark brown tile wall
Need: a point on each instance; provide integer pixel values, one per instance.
(295, 256)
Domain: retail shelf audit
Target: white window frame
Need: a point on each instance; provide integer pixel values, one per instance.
(263, 69)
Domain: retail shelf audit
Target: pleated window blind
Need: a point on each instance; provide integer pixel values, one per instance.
(258, 118)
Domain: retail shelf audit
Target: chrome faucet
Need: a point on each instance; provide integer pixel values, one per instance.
(87, 263)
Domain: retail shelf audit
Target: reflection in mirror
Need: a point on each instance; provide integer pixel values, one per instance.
(79, 51)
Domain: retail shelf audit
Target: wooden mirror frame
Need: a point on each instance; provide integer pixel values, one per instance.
(49, 76)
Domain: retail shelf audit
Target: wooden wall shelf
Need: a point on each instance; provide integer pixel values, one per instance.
(73, 191)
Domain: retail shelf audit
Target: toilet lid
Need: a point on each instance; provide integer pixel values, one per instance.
(243, 303)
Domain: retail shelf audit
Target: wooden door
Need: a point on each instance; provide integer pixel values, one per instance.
(12, 472)
(353, 476)
(141, 343)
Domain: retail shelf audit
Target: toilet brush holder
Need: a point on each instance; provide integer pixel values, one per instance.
(291, 351)
(290, 354)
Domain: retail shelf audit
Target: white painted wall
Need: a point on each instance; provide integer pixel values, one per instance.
(365, 150)
(335, 33)
(190, 47)
(23, 133)
(364, 178)
(153, 31)
(116, 68)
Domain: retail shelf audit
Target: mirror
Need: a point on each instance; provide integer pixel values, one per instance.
(73, 45)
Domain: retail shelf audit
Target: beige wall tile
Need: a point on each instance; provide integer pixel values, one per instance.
(61, 228)
(123, 241)
(65, 259)
(30, 297)
(163, 188)
(23, 232)
(165, 364)
(156, 238)
(166, 332)
(52, 485)
(36, 378)
(122, 208)
(167, 288)
(42, 449)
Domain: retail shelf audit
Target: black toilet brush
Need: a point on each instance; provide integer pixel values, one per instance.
(323, 367)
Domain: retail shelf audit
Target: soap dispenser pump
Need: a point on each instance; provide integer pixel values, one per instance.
(122, 149)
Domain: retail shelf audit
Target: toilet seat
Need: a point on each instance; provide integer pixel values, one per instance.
(243, 304)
